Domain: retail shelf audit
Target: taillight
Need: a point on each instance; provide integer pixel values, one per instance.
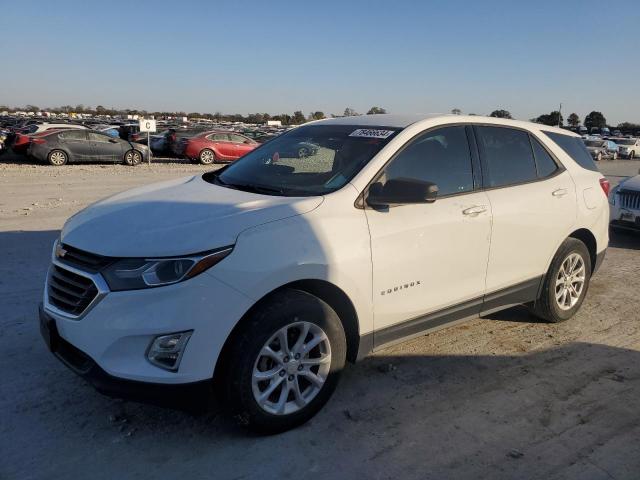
(606, 186)
(39, 141)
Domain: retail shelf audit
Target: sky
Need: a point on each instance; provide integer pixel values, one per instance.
(279, 56)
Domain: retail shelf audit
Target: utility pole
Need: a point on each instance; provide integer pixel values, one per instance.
(560, 115)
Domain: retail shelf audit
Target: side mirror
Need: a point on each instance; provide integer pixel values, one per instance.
(401, 191)
(113, 140)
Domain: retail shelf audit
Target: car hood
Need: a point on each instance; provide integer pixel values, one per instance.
(178, 217)
(631, 183)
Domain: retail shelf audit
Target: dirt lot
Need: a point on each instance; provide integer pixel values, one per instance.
(503, 397)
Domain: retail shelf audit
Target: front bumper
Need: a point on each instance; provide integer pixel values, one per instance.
(115, 333)
(191, 396)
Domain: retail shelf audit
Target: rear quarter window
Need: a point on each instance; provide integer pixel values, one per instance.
(575, 148)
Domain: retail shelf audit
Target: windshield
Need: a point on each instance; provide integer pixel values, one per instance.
(625, 142)
(594, 143)
(311, 160)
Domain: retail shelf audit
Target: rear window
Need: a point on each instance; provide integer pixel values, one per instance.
(575, 148)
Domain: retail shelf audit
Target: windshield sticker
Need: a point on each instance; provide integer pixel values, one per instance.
(371, 133)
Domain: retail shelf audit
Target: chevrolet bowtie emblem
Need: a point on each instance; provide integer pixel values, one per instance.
(60, 252)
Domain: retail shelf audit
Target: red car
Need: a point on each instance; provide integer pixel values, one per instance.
(22, 140)
(215, 147)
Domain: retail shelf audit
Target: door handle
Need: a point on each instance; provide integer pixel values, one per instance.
(561, 192)
(475, 210)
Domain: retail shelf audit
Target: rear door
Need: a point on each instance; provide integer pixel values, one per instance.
(533, 203)
(225, 149)
(105, 148)
(77, 143)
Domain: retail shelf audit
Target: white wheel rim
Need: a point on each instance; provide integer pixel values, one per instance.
(206, 156)
(58, 158)
(291, 368)
(570, 281)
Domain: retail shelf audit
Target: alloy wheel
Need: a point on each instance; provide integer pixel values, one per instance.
(570, 281)
(291, 368)
(206, 156)
(58, 158)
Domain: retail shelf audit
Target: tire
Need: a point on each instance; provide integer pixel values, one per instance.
(283, 406)
(599, 157)
(133, 158)
(57, 158)
(207, 157)
(558, 303)
(614, 156)
(631, 155)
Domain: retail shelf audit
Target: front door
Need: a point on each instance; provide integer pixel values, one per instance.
(429, 260)
(105, 149)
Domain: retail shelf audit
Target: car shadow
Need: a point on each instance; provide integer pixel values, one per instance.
(624, 239)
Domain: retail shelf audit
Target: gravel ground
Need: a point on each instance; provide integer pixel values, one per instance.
(501, 397)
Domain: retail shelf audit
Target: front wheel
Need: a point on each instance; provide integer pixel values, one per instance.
(284, 362)
(566, 283)
(132, 157)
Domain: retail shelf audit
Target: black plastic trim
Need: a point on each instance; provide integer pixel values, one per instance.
(523, 292)
(195, 396)
(599, 259)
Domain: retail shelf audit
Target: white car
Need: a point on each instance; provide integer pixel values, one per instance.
(625, 204)
(629, 147)
(260, 280)
(43, 127)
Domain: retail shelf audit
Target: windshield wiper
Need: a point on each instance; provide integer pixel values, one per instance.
(248, 187)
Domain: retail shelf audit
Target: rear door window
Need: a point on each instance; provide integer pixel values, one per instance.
(545, 163)
(507, 156)
(575, 148)
(73, 135)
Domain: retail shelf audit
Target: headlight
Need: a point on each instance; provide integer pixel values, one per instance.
(137, 273)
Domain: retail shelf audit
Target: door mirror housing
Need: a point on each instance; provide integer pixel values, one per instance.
(401, 191)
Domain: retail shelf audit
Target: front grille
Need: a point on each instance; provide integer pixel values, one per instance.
(629, 199)
(85, 260)
(70, 292)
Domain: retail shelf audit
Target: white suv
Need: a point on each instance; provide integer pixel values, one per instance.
(260, 280)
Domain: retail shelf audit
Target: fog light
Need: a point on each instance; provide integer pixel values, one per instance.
(166, 351)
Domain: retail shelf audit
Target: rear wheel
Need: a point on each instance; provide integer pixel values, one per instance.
(132, 157)
(631, 155)
(57, 158)
(566, 283)
(284, 364)
(207, 157)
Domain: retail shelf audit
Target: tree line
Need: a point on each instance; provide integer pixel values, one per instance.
(555, 118)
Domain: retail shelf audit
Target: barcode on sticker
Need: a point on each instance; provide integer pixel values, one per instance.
(371, 133)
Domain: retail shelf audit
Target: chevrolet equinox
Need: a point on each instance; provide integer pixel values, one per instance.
(259, 281)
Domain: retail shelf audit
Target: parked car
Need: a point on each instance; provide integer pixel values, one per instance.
(215, 147)
(4, 134)
(22, 140)
(625, 204)
(258, 281)
(61, 147)
(600, 149)
(628, 147)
